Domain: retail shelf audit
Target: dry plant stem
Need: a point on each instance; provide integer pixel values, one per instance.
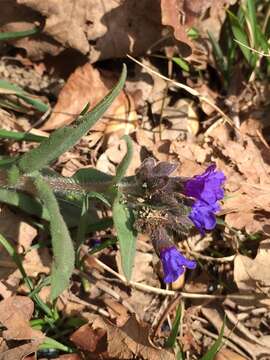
(210, 258)
(241, 328)
(96, 308)
(174, 302)
(105, 288)
(164, 292)
(186, 88)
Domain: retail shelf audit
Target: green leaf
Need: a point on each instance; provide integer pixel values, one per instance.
(251, 10)
(184, 65)
(4, 36)
(123, 221)
(123, 166)
(211, 353)
(50, 343)
(63, 139)
(24, 202)
(240, 35)
(18, 91)
(63, 251)
(20, 136)
(170, 342)
(218, 54)
(91, 175)
(18, 261)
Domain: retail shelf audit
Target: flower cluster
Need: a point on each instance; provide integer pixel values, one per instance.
(207, 190)
(169, 206)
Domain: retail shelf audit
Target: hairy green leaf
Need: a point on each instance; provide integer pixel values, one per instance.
(63, 139)
(123, 221)
(63, 251)
(124, 164)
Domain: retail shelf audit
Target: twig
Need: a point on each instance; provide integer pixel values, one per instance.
(211, 258)
(96, 308)
(165, 292)
(225, 341)
(186, 88)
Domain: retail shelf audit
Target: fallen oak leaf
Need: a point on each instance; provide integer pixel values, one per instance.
(125, 342)
(15, 313)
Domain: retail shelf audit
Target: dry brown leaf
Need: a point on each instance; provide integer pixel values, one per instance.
(226, 354)
(21, 351)
(15, 313)
(86, 85)
(86, 338)
(129, 340)
(100, 29)
(250, 272)
(253, 349)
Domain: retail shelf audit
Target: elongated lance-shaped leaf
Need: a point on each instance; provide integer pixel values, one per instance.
(63, 251)
(10, 88)
(211, 353)
(170, 342)
(18, 34)
(63, 139)
(123, 221)
(124, 164)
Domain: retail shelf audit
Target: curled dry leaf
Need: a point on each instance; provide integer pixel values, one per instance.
(248, 273)
(226, 354)
(99, 29)
(252, 348)
(123, 342)
(15, 313)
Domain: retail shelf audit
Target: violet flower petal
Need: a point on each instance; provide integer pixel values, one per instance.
(174, 264)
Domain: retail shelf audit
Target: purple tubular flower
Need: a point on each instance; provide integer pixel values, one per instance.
(174, 264)
(206, 189)
(203, 216)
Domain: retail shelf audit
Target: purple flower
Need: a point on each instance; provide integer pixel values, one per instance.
(203, 215)
(174, 263)
(206, 187)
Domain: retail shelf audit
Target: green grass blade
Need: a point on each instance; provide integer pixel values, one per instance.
(251, 11)
(123, 166)
(170, 342)
(18, 91)
(20, 136)
(218, 54)
(63, 139)
(123, 221)
(240, 35)
(5, 36)
(50, 343)
(63, 251)
(183, 64)
(211, 353)
(18, 261)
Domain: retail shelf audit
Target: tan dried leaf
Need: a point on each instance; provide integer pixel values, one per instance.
(250, 272)
(86, 85)
(15, 313)
(226, 354)
(129, 340)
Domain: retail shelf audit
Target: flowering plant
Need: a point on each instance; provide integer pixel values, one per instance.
(171, 206)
